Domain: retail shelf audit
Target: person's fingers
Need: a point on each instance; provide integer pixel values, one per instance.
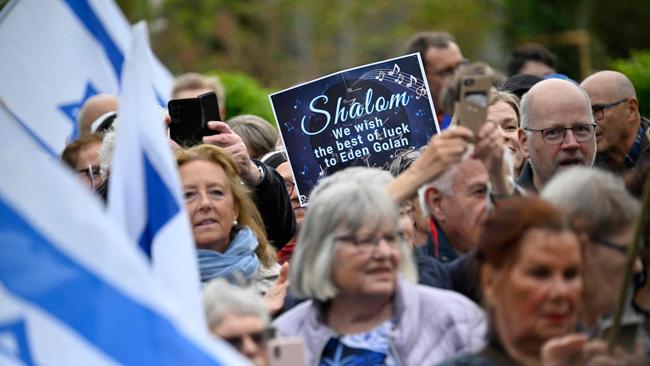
(456, 132)
(221, 139)
(594, 348)
(563, 348)
(219, 126)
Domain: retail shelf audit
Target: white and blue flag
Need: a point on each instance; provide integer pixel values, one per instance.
(58, 53)
(74, 290)
(144, 194)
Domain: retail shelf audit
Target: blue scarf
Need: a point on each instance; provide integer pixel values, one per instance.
(239, 257)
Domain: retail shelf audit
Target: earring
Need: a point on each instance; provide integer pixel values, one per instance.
(235, 223)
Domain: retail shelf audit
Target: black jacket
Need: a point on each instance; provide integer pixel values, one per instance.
(272, 200)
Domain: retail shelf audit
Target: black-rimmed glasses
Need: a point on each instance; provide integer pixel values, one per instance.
(599, 109)
(620, 248)
(556, 135)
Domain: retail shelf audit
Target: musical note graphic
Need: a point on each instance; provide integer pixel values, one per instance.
(381, 76)
(400, 79)
(419, 113)
(289, 126)
(420, 92)
(297, 104)
(305, 169)
(412, 81)
(395, 70)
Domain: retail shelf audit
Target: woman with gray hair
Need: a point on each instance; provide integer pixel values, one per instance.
(258, 135)
(352, 263)
(238, 316)
(604, 213)
(600, 207)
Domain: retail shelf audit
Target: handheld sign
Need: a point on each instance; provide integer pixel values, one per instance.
(362, 116)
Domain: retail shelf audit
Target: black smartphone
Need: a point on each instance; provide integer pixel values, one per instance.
(190, 118)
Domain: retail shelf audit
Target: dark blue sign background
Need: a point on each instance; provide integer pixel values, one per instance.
(358, 117)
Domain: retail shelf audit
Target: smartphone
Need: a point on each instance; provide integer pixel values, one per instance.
(471, 111)
(190, 118)
(288, 351)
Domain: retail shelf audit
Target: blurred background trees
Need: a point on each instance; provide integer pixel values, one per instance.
(279, 43)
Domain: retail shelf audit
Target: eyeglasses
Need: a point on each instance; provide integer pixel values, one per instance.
(90, 173)
(599, 109)
(289, 186)
(449, 71)
(369, 244)
(556, 135)
(611, 245)
(259, 338)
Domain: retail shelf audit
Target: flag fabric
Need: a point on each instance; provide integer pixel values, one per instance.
(55, 55)
(74, 290)
(144, 194)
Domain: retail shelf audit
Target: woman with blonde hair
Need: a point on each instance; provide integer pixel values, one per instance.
(227, 227)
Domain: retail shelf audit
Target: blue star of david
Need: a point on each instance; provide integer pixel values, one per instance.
(72, 109)
(16, 330)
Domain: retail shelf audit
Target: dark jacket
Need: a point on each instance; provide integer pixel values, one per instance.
(525, 179)
(492, 355)
(438, 245)
(460, 275)
(272, 200)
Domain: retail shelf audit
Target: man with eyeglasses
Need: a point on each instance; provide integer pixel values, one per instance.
(558, 131)
(622, 135)
(442, 59)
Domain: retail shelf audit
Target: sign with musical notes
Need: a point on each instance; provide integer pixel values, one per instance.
(362, 116)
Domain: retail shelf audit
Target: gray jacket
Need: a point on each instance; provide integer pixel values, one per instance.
(431, 325)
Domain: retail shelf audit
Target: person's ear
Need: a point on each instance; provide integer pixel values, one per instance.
(523, 141)
(236, 212)
(632, 109)
(433, 199)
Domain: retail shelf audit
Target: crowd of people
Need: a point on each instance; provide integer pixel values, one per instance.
(502, 247)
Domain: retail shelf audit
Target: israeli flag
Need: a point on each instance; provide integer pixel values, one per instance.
(144, 193)
(58, 53)
(74, 290)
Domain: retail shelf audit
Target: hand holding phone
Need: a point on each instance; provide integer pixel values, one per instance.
(190, 118)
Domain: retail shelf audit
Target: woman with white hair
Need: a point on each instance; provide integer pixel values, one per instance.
(352, 263)
(238, 316)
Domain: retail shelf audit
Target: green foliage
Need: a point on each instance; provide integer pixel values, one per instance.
(244, 95)
(637, 68)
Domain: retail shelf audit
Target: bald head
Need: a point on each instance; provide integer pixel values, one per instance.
(554, 94)
(612, 81)
(94, 108)
(616, 110)
(556, 115)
